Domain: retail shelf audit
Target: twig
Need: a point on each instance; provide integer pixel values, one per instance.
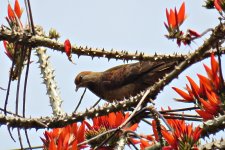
(154, 111)
(10, 134)
(2, 89)
(9, 83)
(20, 138)
(32, 31)
(22, 55)
(180, 109)
(156, 116)
(134, 146)
(8, 90)
(130, 133)
(28, 141)
(183, 118)
(180, 117)
(96, 103)
(81, 98)
(146, 121)
(96, 137)
(11, 113)
(29, 16)
(181, 114)
(24, 93)
(25, 82)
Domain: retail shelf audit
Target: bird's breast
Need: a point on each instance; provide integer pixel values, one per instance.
(111, 94)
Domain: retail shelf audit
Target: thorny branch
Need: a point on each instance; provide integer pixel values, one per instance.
(60, 119)
(154, 90)
(45, 41)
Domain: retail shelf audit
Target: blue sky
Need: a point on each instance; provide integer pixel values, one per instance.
(123, 25)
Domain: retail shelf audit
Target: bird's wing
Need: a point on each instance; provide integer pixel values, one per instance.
(125, 74)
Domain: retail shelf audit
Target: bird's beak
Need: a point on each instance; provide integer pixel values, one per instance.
(77, 88)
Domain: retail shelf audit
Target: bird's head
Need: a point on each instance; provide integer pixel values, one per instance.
(85, 79)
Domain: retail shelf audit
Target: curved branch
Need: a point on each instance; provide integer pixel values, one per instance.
(61, 121)
(42, 40)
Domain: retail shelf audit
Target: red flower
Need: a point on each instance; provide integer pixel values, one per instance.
(193, 33)
(186, 97)
(219, 5)
(65, 138)
(183, 136)
(207, 96)
(144, 144)
(10, 13)
(175, 19)
(104, 123)
(17, 11)
(113, 120)
(8, 49)
(68, 49)
(204, 114)
(195, 88)
(14, 16)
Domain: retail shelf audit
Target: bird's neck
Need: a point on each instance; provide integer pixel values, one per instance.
(96, 89)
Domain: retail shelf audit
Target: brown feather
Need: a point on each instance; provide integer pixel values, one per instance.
(125, 80)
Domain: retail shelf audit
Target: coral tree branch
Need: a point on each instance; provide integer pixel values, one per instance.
(48, 77)
(61, 121)
(43, 40)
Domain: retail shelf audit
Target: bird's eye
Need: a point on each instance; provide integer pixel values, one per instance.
(80, 78)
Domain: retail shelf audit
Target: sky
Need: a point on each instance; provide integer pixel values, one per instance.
(119, 24)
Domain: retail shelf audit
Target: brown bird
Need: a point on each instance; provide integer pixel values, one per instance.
(123, 81)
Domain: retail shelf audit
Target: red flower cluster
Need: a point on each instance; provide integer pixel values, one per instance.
(65, 138)
(14, 15)
(174, 21)
(182, 136)
(13, 50)
(68, 137)
(13, 19)
(105, 123)
(207, 95)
